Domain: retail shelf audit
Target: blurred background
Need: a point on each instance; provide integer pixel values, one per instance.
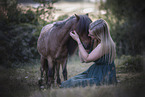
(22, 20)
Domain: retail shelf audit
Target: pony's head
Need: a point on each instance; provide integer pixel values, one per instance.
(80, 23)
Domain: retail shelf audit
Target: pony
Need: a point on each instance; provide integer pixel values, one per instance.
(55, 45)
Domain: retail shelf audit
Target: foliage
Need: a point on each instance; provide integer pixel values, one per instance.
(7, 10)
(19, 31)
(126, 21)
(19, 44)
(131, 64)
(46, 1)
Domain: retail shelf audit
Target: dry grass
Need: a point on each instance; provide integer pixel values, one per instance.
(23, 82)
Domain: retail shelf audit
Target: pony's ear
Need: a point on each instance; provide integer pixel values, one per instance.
(77, 17)
(87, 14)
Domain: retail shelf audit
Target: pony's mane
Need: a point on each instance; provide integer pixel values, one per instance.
(83, 24)
(82, 28)
(61, 23)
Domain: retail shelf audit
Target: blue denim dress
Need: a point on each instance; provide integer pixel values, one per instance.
(100, 73)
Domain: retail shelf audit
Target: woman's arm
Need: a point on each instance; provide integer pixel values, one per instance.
(94, 55)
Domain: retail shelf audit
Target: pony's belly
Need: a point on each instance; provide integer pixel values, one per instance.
(63, 53)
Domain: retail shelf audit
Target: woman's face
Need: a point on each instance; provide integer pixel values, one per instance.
(91, 34)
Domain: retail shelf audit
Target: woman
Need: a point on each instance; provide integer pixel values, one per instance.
(103, 70)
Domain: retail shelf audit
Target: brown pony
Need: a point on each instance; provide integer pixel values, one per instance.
(55, 44)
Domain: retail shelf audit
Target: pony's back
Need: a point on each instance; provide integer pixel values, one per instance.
(46, 28)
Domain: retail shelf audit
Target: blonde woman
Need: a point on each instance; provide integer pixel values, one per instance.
(103, 55)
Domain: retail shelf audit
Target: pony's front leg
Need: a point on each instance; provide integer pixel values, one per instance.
(64, 68)
(57, 73)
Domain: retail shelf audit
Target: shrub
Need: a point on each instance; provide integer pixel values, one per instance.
(131, 64)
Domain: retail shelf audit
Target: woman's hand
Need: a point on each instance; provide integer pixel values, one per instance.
(74, 35)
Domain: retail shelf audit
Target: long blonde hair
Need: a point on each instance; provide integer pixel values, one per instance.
(100, 30)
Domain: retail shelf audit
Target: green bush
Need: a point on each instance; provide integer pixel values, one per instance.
(19, 44)
(28, 17)
(19, 31)
(131, 64)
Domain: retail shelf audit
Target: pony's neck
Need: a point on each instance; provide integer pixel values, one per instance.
(63, 42)
(65, 36)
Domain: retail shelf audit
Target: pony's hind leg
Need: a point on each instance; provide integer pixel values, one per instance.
(51, 71)
(42, 69)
